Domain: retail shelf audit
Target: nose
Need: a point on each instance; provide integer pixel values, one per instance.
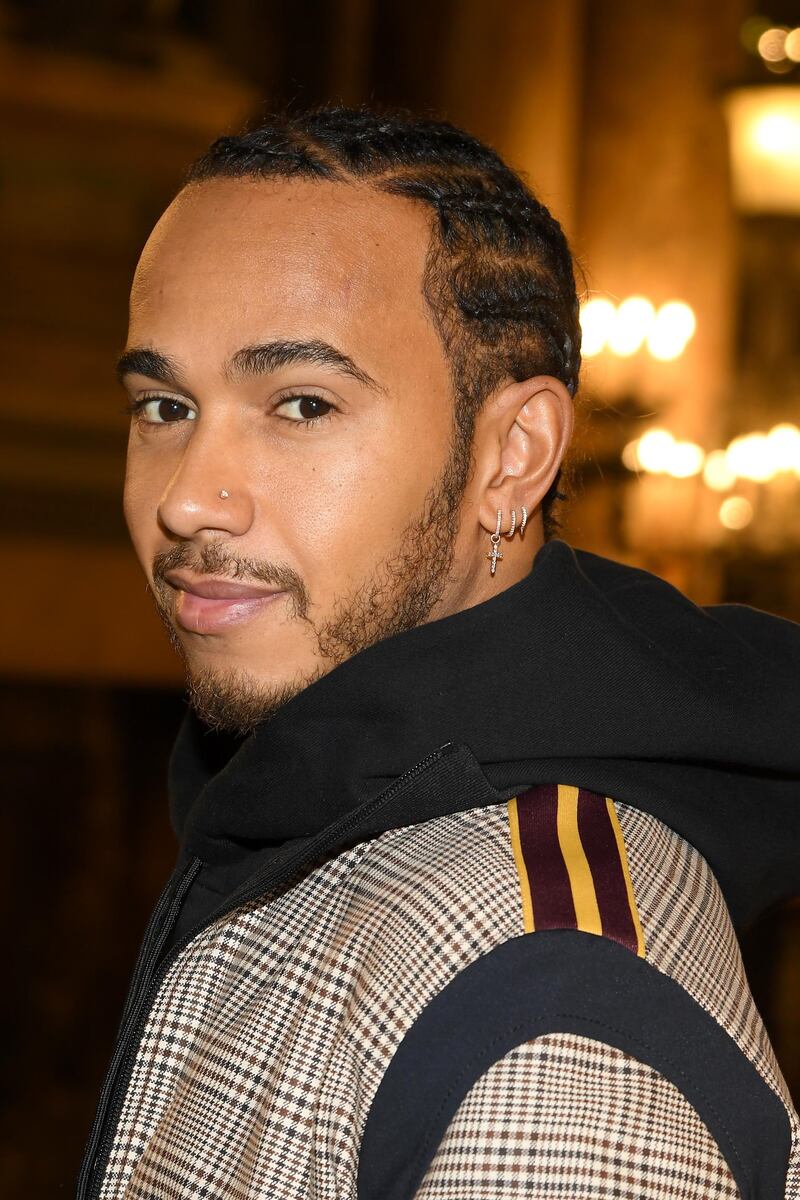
(208, 492)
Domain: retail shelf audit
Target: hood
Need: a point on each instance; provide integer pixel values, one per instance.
(586, 672)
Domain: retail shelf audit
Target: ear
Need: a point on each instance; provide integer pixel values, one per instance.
(523, 440)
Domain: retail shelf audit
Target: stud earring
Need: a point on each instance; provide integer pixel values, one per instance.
(224, 495)
(524, 520)
(495, 553)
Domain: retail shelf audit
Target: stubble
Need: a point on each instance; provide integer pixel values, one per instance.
(400, 593)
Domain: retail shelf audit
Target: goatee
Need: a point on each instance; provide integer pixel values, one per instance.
(400, 593)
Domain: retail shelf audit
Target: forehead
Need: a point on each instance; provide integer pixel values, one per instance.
(231, 260)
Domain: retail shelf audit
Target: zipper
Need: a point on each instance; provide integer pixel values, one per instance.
(149, 972)
(164, 914)
(280, 870)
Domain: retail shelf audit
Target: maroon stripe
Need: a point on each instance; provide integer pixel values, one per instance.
(537, 811)
(601, 850)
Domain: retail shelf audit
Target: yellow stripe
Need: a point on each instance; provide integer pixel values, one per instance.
(580, 876)
(623, 858)
(522, 870)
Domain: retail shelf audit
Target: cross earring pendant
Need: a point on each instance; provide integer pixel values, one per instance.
(495, 553)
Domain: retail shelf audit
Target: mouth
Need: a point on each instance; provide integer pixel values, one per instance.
(204, 605)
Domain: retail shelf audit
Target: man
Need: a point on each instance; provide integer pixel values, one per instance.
(462, 811)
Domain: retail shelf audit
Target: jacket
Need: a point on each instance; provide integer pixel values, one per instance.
(460, 920)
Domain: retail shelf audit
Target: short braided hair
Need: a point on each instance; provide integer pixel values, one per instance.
(499, 277)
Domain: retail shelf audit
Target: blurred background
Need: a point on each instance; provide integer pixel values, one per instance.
(666, 138)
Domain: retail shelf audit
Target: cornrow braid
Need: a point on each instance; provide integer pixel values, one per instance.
(499, 277)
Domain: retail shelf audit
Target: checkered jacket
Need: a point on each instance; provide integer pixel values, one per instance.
(409, 1019)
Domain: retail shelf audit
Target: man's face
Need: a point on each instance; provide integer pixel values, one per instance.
(292, 488)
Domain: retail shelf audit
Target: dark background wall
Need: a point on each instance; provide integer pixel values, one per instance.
(615, 111)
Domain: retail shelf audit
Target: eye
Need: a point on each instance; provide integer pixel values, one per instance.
(162, 410)
(304, 409)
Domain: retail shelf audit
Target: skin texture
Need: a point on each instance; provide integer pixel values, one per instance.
(364, 519)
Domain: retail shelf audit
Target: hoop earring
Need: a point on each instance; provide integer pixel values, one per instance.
(513, 523)
(495, 553)
(524, 520)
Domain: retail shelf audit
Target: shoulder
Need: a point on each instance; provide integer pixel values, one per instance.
(555, 857)
(578, 935)
(442, 893)
(428, 899)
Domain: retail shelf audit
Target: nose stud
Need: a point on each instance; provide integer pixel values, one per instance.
(224, 495)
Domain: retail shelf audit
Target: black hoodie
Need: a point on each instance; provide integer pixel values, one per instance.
(586, 672)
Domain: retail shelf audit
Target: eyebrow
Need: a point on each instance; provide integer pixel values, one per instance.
(249, 361)
(152, 363)
(271, 356)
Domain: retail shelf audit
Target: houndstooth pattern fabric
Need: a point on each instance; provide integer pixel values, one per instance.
(566, 1116)
(689, 936)
(271, 1031)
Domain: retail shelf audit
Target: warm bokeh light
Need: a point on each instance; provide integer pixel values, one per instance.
(735, 512)
(673, 327)
(780, 68)
(765, 147)
(687, 459)
(626, 328)
(659, 453)
(784, 447)
(597, 321)
(747, 457)
(777, 133)
(772, 43)
(762, 456)
(716, 473)
(758, 457)
(791, 46)
(632, 323)
(630, 456)
(653, 450)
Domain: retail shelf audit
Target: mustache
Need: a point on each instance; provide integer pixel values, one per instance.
(214, 559)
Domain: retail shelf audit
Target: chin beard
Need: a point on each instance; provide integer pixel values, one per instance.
(400, 594)
(230, 701)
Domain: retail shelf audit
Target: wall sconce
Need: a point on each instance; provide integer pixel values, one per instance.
(750, 457)
(755, 456)
(623, 329)
(764, 127)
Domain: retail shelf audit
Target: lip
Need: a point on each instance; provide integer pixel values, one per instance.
(205, 605)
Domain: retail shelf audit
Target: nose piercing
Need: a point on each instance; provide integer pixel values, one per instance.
(224, 495)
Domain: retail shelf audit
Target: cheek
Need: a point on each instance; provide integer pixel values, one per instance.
(350, 508)
(312, 512)
(140, 506)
